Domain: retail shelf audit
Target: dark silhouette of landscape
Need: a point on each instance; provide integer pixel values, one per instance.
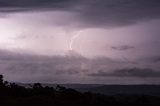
(12, 94)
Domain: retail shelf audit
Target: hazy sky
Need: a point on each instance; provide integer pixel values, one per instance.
(80, 41)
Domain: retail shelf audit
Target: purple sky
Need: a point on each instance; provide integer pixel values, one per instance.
(80, 41)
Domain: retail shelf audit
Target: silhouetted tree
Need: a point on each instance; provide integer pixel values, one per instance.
(60, 88)
(37, 86)
(6, 83)
(12, 94)
(1, 80)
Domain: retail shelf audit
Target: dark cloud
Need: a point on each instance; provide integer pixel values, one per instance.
(128, 72)
(18, 66)
(154, 59)
(93, 13)
(122, 48)
(120, 13)
(150, 59)
(25, 67)
(15, 65)
(19, 5)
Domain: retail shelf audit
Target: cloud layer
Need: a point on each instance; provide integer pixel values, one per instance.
(103, 13)
(69, 68)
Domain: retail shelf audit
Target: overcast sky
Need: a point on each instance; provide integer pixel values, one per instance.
(80, 41)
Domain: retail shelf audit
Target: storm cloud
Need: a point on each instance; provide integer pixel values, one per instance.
(27, 67)
(80, 40)
(92, 13)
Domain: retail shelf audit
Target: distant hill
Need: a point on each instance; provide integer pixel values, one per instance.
(110, 89)
(124, 89)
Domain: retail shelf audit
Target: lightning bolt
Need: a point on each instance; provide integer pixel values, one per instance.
(73, 39)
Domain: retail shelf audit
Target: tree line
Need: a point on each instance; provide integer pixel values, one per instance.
(12, 94)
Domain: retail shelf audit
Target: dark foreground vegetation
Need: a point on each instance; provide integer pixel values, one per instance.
(37, 95)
